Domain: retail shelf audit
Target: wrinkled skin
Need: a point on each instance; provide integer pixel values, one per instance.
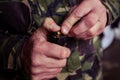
(44, 59)
(47, 59)
(85, 20)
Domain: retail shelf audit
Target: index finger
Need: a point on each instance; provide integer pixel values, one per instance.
(83, 9)
(55, 51)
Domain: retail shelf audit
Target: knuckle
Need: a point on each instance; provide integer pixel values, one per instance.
(89, 21)
(36, 62)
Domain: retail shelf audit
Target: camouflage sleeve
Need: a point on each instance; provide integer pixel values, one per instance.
(10, 49)
(113, 9)
(14, 23)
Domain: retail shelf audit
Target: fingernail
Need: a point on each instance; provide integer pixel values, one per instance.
(64, 29)
(55, 26)
(68, 53)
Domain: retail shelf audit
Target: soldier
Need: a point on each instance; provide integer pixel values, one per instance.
(29, 47)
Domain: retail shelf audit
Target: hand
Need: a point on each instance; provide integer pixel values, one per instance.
(44, 59)
(86, 20)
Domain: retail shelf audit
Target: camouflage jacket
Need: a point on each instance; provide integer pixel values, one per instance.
(20, 18)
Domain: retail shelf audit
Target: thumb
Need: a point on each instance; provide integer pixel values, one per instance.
(50, 25)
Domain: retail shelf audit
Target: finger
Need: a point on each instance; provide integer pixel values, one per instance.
(42, 61)
(91, 32)
(55, 51)
(99, 27)
(86, 23)
(53, 63)
(83, 9)
(50, 25)
(72, 9)
(44, 76)
(40, 70)
(103, 21)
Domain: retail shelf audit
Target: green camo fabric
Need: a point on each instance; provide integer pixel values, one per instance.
(83, 64)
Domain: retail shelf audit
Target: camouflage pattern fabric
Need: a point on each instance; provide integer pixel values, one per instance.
(20, 18)
(113, 7)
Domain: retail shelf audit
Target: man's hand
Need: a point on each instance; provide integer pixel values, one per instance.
(86, 20)
(44, 59)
